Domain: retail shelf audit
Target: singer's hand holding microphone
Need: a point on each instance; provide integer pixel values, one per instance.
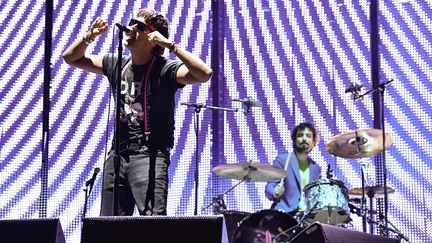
(153, 36)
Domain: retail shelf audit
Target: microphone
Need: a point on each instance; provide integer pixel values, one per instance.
(354, 88)
(329, 172)
(124, 28)
(249, 102)
(91, 181)
(386, 83)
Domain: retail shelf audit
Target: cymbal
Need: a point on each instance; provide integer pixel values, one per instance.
(361, 143)
(250, 171)
(377, 190)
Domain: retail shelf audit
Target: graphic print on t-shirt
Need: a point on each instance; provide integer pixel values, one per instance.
(131, 93)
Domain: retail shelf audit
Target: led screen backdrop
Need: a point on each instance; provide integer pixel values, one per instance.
(296, 57)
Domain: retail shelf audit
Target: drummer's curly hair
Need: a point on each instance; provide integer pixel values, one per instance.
(156, 21)
(301, 127)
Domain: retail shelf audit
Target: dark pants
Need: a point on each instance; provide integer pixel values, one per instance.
(143, 182)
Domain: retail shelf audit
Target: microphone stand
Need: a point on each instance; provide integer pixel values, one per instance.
(381, 89)
(198, 108)
(117, 127)
(86, 196)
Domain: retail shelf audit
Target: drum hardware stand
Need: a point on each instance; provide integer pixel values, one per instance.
(359, 141)
(218, 202)
(198, 108)
(381, 89)
(219, 205)
(285, 233)
(329, 172)
(306, 215)
(363, 199)
(393, 229)
(371, 195)
(363, 210)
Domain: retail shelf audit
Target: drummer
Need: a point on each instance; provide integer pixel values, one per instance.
(287, 193)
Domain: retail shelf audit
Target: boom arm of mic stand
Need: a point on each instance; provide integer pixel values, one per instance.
(198, 108)
(210, 107)
(379, 88)
(222, 108)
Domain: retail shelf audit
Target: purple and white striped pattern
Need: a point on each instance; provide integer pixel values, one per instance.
(296, 57)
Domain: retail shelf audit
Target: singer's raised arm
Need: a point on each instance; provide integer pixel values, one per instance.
(76, 55)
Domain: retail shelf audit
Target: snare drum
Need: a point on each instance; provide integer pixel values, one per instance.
(258, 226)
(327, 202)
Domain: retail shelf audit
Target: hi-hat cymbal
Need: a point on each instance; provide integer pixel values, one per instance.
(378, 191)
(250, 172)
(361, 143)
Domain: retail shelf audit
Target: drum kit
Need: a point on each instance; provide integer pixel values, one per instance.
(328, 201)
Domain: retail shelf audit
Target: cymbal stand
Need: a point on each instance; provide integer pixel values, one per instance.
(198, 107)
(359, 141)
(363, 200)
(363, 208)
(384, 226)
(371, 195)
(218, 201)
(381, 88)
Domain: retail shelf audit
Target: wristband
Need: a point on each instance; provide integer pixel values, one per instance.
(87, 39)
(173, 48)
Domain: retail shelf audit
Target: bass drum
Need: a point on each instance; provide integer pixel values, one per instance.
(263, 225)
(232, 221)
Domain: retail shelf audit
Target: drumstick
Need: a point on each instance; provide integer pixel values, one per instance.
(286, 167)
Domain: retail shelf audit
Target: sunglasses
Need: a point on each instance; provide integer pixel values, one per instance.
(140, 25)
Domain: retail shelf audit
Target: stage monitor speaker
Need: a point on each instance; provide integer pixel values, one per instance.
(31, 230)
(322, 233)
(160, 229)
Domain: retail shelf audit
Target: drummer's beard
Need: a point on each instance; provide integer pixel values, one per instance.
(303, 147)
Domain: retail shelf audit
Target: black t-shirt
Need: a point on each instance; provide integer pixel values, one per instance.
(162, 86)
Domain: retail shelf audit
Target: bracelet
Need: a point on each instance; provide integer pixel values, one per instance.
(87, 39)
(173, 48)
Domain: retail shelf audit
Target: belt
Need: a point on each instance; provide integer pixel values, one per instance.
(132, 145)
